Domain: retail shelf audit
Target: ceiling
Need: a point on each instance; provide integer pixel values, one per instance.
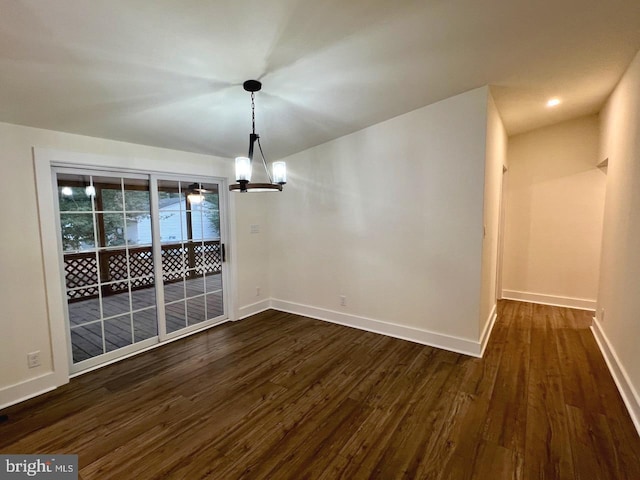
(169, 73)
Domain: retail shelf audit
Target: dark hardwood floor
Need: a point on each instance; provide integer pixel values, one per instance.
(280, 396)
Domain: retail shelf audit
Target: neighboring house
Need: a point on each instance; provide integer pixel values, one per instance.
(173, 223)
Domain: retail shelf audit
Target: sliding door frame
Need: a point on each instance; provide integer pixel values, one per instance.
(44, 160)
(99, 236)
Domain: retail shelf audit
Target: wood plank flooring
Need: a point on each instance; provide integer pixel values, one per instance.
(280, 396)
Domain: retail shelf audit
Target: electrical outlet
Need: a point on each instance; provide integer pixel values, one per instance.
(257, 291)
(254, 229)
(343, 300)
(33, 359)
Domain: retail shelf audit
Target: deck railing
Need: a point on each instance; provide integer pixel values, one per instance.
(82, 270)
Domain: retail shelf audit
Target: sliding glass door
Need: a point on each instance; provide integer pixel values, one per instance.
(192, 253)
(142, 260)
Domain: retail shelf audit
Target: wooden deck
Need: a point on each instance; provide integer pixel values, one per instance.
(87, 328)
(279, 396)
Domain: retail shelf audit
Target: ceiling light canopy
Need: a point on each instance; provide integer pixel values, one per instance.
(553, 102)
(243, 164)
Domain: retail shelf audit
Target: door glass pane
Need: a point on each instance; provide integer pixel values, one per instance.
(112, 198)
(213, 282)
(173, 226)
(175, 316)
(212, 256)
(77, 231)
(138, 229)
(172, 212)
(145, 324)
(169, 192)
(82, 270)
(117, 332)
(136, 196)
(196, 223)
(86, 341)
(215, 307)
(174, 261)
(84, 309)
(102, 262)
(116, 299)
(114, 232)
(174, 291)
(195, 310)
(194, 284)
(141, 266)
(73, 195)
(211, 212)
(206, 214)
(113, 266)
(144, 295)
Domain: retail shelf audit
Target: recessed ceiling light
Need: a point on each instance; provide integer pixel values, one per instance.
(553, 102)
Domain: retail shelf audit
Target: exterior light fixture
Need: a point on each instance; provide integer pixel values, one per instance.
(243, 164)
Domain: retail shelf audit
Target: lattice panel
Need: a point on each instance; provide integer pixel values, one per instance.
(208, 258)
(142, 282)
(141, 262)
(80, 270)
(174, 262)
(117, 266)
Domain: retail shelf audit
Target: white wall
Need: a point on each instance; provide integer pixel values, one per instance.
(253, 255)
(554, 208)
(24, 319)
(391, 218)
(496, 159)
(619, 292)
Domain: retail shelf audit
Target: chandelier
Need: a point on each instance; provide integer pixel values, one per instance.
(277, 177)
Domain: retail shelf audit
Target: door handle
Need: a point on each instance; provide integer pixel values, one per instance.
(223, 252)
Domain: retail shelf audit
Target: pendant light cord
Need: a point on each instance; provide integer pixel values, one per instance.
(253, 114)
(253, 129)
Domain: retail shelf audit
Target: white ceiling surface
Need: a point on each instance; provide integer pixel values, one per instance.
(169, 72)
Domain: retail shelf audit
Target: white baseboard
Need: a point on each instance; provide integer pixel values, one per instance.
(22, 391)
(577, 303)
(424, 337)
(248, 310)
(625, 387)
(488, 328)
